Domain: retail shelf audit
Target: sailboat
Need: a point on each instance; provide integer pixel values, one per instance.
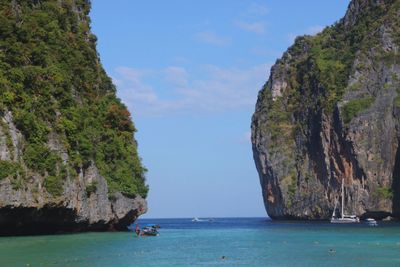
(344, 218)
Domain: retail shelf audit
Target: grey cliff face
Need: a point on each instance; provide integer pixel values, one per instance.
(30, 209)
(302, 162)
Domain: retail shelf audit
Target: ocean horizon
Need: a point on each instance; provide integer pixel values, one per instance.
(217, 242)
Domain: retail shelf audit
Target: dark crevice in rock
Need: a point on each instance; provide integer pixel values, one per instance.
(396, 185)
(346, 148)
(315, 148)
(126, 220)
(274, 192)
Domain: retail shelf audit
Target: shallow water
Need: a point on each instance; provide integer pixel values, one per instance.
(243, 242)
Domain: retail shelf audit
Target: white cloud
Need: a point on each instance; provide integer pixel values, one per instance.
(219, 89)
(254, 27)
(212, 38)
(177, 76)
(134, 89)
(252, 19)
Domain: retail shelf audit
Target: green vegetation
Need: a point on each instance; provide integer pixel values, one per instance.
(397, 99)
(317, 69)
(91, 188)
(17, 183)
(52, 81)
(9, 169)
(289, 184)
(39, 158)
(54, 185)
(354, 107)
(383, 193)
(5, 129)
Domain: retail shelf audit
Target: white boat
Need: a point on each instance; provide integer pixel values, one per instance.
(371, 222)
(197, 219)
(344, 218)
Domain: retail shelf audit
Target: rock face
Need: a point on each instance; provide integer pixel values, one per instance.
(68, 157)
(330, 113)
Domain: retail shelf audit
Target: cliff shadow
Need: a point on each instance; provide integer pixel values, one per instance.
(396, 185)
(315, 148)
(46, 220)
(343, 149)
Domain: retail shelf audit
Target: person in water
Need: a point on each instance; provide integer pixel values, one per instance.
(137, 230)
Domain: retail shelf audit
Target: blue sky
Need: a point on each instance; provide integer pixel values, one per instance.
(189, 72)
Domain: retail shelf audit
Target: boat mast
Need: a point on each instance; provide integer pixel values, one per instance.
(334, 210)
(342, 198)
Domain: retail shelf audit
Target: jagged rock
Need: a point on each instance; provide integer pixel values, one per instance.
(32, 210)
(330, 111)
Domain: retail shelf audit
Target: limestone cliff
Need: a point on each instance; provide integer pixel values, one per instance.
(330, 112)
(68, 157)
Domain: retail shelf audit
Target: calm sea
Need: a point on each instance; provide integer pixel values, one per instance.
(242, 242)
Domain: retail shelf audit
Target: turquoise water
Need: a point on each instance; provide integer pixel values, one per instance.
(243, 242)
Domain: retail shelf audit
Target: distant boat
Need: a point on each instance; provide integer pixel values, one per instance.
(150, 230)
(344, 218)
(371, 222)
(157, 226)
(196, 219)
(147, 230)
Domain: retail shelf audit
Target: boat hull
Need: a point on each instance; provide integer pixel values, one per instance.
(344, 221)
(371, 222)
(149, 231)
(149, 234)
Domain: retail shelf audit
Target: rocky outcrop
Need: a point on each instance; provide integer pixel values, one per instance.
(330, 113)
(68, 157)
(26, 207)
